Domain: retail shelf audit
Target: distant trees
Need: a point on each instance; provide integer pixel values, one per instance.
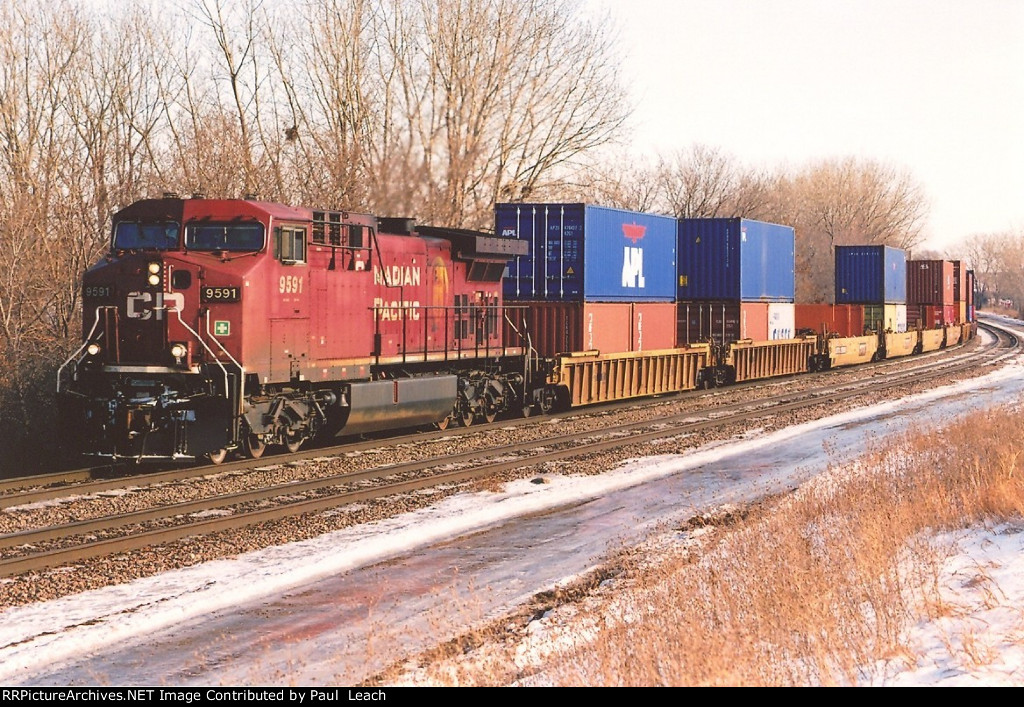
(829, 203)
(998, 263)
(488, 101)
(847, 202)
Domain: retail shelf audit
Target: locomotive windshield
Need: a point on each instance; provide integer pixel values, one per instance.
(130, 235)
(224, 236)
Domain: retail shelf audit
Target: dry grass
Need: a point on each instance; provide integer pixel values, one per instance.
(805, 589)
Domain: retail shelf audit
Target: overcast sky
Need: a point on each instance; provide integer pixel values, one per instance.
(932, 86)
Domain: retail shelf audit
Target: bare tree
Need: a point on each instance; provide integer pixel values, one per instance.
(854, 201)
(998, 263)
(39, 58)
(848, 202)
(698, 182)
(619, 180)
(334, 117)
(493, 100)
(705, 182)
(234, 29)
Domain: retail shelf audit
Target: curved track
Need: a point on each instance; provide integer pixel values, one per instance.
(37, 548)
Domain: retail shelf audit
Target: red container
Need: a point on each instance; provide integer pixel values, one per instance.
(951, 314)
(930, 282)
(754, 321)
(653, 326)
(721, 322)
(825, 319)
(607, 327)
(930, 316)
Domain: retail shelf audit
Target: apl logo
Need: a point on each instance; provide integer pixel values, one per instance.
(143, 305)
(633, 256)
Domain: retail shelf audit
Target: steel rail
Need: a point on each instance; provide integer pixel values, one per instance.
(574, 445)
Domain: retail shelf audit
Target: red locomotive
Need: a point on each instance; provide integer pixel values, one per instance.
(216, 325)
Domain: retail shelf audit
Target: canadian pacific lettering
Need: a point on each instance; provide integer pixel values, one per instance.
(397, 275)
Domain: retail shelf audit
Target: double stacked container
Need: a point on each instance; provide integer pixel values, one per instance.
(736, 280)
(874, 277)
(932, 294)
(594, 279)
(963, 292)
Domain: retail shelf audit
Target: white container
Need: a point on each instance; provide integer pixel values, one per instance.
(782, 320)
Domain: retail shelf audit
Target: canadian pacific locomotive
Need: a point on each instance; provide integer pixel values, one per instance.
(219, 326)
(216, 325)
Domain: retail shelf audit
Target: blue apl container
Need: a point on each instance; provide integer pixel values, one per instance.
(736, 259)
(870, 274)
(586, 253)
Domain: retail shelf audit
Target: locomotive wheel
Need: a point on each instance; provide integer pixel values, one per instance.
(490, 415)
(254, 446)
(292, 444)
(527, 410)
(467, 418)
(218, 456)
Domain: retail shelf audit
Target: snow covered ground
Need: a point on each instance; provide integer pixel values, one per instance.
(98, 637)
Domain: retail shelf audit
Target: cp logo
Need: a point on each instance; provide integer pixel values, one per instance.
(143, 305)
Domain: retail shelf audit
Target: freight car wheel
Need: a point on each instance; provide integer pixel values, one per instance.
(444, 424)
(548, 401)
(467, 418)
(490, 416)
(218, 456)
(254, 446)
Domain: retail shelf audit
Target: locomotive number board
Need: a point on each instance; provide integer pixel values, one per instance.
(220, 294)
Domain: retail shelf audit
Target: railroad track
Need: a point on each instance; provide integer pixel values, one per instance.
(41, 487)
(36, 549)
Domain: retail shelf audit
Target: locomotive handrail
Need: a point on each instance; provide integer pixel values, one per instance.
(531, 353)
(484, 317)
(85, 342)
(193, 332)
(241, 368)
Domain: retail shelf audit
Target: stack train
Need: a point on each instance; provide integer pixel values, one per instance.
(214, 327)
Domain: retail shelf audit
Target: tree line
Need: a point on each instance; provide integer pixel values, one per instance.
(434, 109)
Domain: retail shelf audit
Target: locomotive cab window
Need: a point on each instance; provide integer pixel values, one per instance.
(130, 235)
(239, 237)
(290, 244)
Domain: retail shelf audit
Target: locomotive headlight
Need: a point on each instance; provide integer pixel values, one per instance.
(93, 349)
(154, 274)
(178, 351)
